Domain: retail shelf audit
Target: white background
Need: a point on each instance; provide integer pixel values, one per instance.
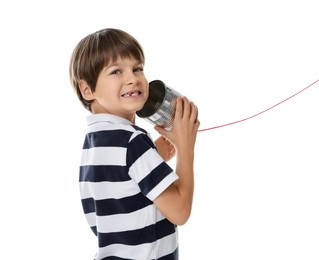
(257, 193)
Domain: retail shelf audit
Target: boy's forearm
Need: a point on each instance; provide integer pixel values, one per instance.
(185, 183)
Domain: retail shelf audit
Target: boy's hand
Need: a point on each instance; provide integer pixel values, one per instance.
(165, 148)
(186, 124)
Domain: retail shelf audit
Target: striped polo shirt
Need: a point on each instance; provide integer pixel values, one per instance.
(121, 173)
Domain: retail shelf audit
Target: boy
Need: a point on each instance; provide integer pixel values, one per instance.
(132, 199)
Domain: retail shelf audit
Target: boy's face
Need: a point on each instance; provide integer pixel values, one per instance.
(121, 89)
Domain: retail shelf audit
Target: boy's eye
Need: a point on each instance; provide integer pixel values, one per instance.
(117, 71)
(138, 69)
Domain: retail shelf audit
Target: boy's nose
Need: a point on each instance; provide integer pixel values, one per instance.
(131, 78)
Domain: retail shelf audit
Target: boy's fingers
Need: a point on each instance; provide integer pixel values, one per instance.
(194, 112)
(186, 108)
(179, 107)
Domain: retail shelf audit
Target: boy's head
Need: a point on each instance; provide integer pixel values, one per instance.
(96, 51)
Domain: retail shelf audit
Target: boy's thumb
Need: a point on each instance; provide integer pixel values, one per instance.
(160, 130)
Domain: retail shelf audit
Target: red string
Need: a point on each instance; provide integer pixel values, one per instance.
(238, 121)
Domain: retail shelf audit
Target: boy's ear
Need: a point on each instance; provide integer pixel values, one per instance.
(85, 90)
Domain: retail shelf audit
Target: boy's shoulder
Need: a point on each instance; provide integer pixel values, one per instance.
(110, 127)
(98, 122)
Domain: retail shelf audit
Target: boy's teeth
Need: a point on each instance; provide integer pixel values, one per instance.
(131, 94)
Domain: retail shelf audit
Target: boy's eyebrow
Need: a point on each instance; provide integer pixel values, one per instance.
(109, 65)
(116, 63)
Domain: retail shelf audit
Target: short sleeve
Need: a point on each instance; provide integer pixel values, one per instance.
(146, 167)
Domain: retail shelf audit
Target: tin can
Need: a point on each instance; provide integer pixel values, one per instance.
(159, 109)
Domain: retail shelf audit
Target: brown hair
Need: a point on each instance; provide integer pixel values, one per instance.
(96, 51)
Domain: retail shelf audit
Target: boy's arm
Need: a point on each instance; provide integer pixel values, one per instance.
(176, 201)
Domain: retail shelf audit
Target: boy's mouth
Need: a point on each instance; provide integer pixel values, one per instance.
(132, 94)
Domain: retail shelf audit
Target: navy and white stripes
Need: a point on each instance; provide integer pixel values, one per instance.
(121, 173)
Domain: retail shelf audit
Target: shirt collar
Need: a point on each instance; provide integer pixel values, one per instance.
(95, 118)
